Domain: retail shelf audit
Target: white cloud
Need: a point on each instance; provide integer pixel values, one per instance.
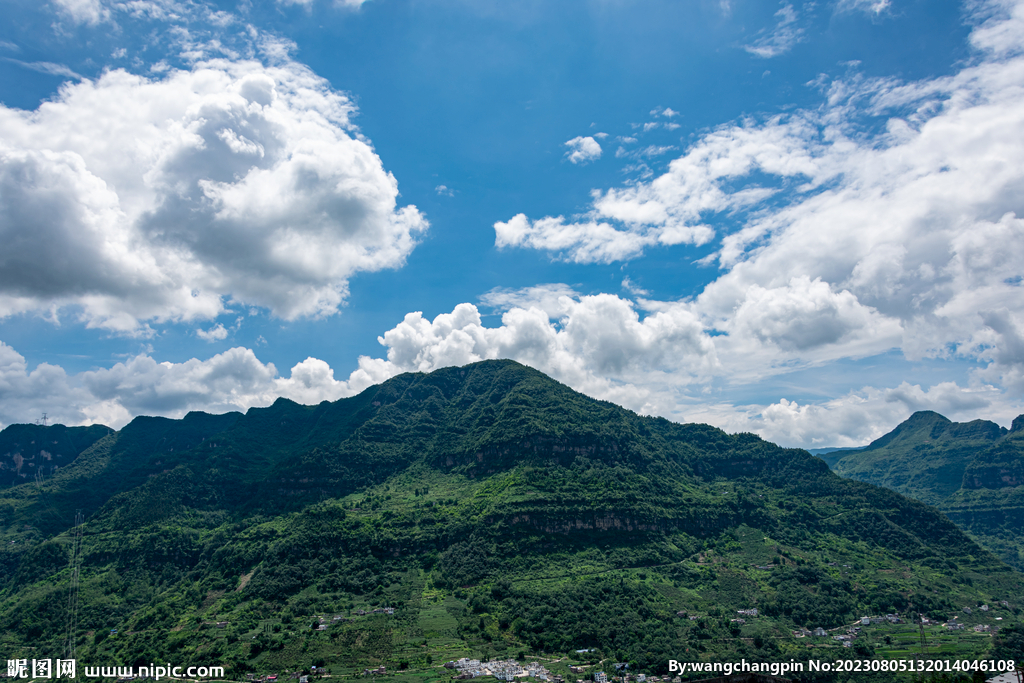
(89, 12)
(135, 200)
(654, 363)
(910, 239)
(670, 209)
(871, 7)
(233, 380)
(633, 288)
(592, 242)
(583, 150)
(860, 416)
(644, 152)
(666, 112)
(350, 4)
(46, 68)
(781, 38)
(554, 299)
(598, 344)
(851, 243)
(1000, 33)
(215, 333)
(805, 314)
(444, 191)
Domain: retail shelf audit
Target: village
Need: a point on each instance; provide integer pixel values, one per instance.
(510, 669)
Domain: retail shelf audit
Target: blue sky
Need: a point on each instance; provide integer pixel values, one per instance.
(798, 219)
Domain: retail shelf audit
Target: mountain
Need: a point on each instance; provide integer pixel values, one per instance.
(831, 455)
(28, 451)
(972, 471)
(486, 510)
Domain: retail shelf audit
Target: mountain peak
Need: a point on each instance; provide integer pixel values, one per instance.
(921, 421)
(1018, 424)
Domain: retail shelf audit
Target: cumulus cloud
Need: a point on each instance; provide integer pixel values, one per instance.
(853, 240)
(861, 416)
(672, 208)
(591, 241)
(233, 380)
(781, 38)
(133, 199)
(599, 344)
(583, 150)
(554, 299)
(215, 333)
(911, 238)
(805, 314)
(89, 12)
(653, 357)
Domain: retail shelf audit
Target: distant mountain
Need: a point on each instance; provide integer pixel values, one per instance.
(28, 450)
(972, 471)
(831, 455)
(494, 511)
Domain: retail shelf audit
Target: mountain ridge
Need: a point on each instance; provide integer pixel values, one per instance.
(972, 471)
(489, 498)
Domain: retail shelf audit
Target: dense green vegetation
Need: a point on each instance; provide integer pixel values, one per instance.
(973, 472)
(497, 512)
(28, 452)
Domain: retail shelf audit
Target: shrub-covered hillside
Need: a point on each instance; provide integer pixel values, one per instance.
(486, 510)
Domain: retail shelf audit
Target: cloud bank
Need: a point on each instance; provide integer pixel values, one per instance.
(131, 200)
(889, 218)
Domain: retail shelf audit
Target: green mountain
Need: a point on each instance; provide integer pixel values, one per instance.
(831, 455)
(31, 451)
(479, 511)
(972, 471)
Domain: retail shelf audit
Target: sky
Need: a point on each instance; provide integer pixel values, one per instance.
(799, 219)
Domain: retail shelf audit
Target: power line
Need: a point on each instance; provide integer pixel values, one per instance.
(76, 563)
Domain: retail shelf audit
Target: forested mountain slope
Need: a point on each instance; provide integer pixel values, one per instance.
(494, 509)
(30, 451)
(972, 471)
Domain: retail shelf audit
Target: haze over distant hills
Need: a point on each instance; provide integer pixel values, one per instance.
(496, 511)
(972, 471)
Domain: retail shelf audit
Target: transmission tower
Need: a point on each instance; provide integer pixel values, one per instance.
(76, 563)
